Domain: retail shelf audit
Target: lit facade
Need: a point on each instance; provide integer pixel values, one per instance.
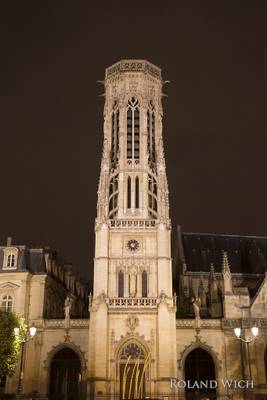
(153, 315)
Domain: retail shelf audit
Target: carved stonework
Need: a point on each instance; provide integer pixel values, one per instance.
(196, 344)
(132, 321)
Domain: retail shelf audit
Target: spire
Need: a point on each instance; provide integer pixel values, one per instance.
(212, 273)
(227, 276)
(225, 264)
(213, 287)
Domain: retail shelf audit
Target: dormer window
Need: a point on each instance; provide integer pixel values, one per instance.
(10, 258)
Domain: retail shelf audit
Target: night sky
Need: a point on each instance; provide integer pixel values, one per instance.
(51, 113)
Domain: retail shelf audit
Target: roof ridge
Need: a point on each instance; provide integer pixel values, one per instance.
(224, 234)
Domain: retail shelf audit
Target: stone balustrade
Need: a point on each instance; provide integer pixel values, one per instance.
(132, 223)
(132, 302)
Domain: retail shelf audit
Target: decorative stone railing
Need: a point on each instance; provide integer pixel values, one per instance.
(245, 323)
(132, 223)
(60, 323)
(202, 323)
(133, 302)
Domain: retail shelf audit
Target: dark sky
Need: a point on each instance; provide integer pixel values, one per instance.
(53, 53)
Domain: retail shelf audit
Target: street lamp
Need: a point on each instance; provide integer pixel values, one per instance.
(28, 335)
(254, 333)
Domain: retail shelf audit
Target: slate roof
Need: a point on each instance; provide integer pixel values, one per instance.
(29, 259)
(246, 254)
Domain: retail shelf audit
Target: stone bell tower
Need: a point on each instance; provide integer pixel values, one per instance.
(132, 312)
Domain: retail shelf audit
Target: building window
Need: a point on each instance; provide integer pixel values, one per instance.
(114, 136)
(136, 192)
(151, 146)
(113, 196)
(129, 192)
(152, 196)
(144, 284)
(11, 260)
(133, 131)
(121, 284)
(7, 303)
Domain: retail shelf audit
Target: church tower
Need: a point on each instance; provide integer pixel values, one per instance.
(132, 342)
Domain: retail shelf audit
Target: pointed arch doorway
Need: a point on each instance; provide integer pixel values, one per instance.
(199, 366)
(132, 369)
(65, 376)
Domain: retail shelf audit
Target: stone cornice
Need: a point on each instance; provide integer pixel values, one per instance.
(134, 66)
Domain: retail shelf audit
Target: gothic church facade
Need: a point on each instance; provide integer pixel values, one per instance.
(156, 318)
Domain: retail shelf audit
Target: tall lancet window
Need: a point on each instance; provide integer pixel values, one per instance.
(151, 146)
(114, 136)
(121, 284)
(152, 196)
(129, 192)
(136, 192)
(144, 284)
(113, 196)
(133, 131)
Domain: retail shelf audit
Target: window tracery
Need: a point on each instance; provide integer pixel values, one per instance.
(144, 284)
(113, 196)
(152, 196)
(151, 141)
(133, 131)
(129, 192)
(132, 350)
(121, 284)
(115, 117)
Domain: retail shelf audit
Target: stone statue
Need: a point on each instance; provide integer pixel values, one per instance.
(133, 284)
(196, 306)
(67, 306)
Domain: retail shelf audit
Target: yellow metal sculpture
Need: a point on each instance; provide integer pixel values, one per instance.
(135, 379)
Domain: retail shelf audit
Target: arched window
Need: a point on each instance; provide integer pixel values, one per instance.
(7, 303)
(151, 146)
(133, 366)
(65, 375)
(129, 192)
(10, 257)
(113, 196)
(133, 131)
(152, 197)
(11, 260)
(144, 284)
(114, 136)
(199, 366)
(136, 192)
(121, 284)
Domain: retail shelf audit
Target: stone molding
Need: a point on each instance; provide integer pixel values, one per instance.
(60, 323)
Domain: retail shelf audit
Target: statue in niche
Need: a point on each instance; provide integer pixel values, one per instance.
(132, 284)
(196, 305)
(67, 306)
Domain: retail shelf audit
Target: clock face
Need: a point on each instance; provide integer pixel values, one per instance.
(132, 245)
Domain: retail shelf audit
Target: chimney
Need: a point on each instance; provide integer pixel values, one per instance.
(9, 241)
